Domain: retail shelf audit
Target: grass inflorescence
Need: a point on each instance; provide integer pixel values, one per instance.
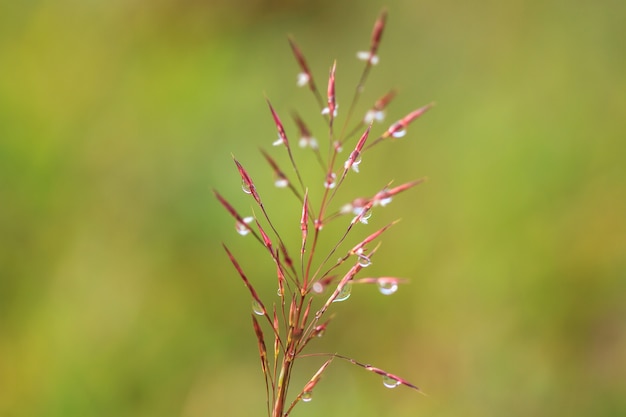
(308, 282)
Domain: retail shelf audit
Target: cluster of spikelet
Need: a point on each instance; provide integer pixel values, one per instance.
(291, 321)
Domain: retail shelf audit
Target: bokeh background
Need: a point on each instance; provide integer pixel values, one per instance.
(118, 117)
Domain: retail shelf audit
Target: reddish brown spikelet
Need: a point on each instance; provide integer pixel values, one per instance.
(286, 257)
(320, 329)
(383, 102)
(344, 281)
(261, 343)
(253, 292)
(305, 316)
(371, 237)
(293, 312)
(318, 375)
(304, 221)
(391, 376)
(354, 155)
(366, 208)
(332, 103)
(279, 125)
(276, 327)
(281, 280)
(247, 182)
(302, 62)
(400, 126)
(387, 193)
(266, 239)
(302, 127)
(361, 142)
(327, 279)
(377, 32)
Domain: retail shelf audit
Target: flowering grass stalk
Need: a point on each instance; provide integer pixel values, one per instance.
(291, 321)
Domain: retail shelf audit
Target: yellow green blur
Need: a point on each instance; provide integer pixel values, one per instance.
(118, 117)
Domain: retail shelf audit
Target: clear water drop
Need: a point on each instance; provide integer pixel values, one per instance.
(399, 133)
(303, 79)
(246, 187)
(306, 396)
(387, 287)
(257, 308)
(364, 261)
(281, 183)
(241, 228)
(390, 382)
(344, 294)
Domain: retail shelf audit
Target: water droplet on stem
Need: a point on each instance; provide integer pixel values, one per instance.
(344, 294)
(390, 382)
(257, 308)
(387, 287)
(246, 187)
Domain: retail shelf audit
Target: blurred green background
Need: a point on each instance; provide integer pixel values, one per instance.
(117, 118)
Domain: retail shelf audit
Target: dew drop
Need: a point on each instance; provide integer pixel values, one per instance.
(365, 217)
(318, 287)
(281, 183)
(390, 382)
(364, 55)
(364, 261)
(387, 287)
(303, 79)
(246, 187)
(306, 396)
(399, 133)
(241, 228)
(344, 294)
(257, 308)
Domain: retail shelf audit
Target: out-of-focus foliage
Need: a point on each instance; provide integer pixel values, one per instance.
(117, 117)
